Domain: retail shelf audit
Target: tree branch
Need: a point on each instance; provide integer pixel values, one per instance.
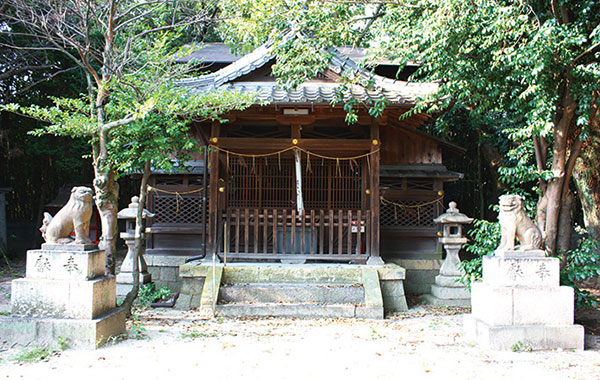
(17, 70)
(117, 123)
(587, 51)
(53, 75)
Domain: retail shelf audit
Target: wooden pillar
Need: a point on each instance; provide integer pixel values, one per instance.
(438, 187)
(375, 258)
(213, 199)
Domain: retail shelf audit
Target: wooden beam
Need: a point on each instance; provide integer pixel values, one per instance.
(295, 119)
(266, 145)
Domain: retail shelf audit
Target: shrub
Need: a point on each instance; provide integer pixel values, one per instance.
(149, 294)
(578, 265)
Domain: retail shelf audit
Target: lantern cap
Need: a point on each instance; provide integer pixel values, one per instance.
(452, 215)
(131, 211)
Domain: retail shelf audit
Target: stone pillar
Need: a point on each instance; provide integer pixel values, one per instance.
(521, 306)
(64, 297)
(125, 276)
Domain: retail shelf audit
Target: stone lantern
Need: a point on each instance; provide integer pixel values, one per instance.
(448, 290)
(125, 277)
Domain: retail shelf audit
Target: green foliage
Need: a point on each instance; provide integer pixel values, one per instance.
(149, 294)
(32, 355)
(151, 105)
(318, 25)
(63, 343)
(485, 239)
(192, 334)
(521, 347)
(580, 264)
(137, 329)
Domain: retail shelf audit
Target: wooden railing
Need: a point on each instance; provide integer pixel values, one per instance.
(329, 235)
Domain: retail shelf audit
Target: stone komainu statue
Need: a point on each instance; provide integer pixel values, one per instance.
(514, 222)
(75, 215)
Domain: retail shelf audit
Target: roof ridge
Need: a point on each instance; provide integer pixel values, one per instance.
(380, 87)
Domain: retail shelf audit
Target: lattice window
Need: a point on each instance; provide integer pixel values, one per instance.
(333, 185)
(260, 182)
(176, 199)
(270, 183)
(412, 215)
(184, 209)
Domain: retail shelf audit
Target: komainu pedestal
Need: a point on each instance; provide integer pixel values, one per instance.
(520, 304)
(65, 297)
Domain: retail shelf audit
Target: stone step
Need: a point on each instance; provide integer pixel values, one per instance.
(309, 273)
(292, 293)
(297, 310)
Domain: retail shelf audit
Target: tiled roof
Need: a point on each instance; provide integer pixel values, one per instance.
(325, 92)
(396, 92)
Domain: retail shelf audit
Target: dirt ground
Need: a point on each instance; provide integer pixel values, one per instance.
(424, 343)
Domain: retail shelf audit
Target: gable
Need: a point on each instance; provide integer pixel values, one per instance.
(253, 69)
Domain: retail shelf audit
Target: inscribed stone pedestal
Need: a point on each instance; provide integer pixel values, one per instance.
(520, 302)
(64, 297)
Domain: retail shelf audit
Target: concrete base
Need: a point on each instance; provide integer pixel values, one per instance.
(520, 305)
(76, 333)
(164, 270)
(448, 291)
(58, 303)
(298, 311)
(534, 337)
(63, 298)
(433, 300)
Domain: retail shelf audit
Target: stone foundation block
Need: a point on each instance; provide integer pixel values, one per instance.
(394, 299)
(536, 337)
(63, 299)
(126, 278)
(446, 293)
(369, 312)
(521, 271)
(65, 265)
(169, 274)
(184, 302)
(76, 333)
(449, 281)
(191, 285)
(431, 300)
(522, 305)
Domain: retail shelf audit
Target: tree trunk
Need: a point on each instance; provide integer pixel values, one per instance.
(587, 180)
(565, 226)
(556, 186)
(107, 197)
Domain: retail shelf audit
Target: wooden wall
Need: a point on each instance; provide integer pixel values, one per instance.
(400, 146)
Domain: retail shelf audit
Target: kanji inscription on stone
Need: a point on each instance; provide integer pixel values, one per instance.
(71, 266)
(543, 271)
(42, 264)
(515, 271)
